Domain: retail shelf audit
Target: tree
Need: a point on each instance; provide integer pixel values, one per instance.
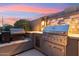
(23, 23)
(7, 27)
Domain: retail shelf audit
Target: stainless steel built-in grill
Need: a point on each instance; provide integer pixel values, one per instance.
(17, 34)
(57, 42)
(56, 34)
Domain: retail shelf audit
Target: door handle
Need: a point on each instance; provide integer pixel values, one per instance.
(58, 49)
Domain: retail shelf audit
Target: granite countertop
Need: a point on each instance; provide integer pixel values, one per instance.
(15, 42)
(74, 35)
(40, 32)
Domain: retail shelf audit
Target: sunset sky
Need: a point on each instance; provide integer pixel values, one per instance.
(31, 11)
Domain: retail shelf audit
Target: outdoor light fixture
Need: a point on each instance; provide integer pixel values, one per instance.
(42, 24)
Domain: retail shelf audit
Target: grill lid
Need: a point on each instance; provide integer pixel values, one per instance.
(17, 31)
(56, 28)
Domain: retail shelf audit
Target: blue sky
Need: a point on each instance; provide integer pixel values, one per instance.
(30, 11)
(22, 14)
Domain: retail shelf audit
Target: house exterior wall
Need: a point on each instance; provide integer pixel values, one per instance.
(63, 17)
(36, 25)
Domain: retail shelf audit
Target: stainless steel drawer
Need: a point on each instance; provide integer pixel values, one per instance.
(56, 50)
(52, 49)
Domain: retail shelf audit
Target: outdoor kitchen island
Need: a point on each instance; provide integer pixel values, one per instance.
(56, 41)
(53, 41)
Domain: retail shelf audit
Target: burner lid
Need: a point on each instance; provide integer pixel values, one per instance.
(56, 28)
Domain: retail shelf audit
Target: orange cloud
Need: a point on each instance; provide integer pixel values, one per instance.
(23, 8)
(32, 9)
(9, 20)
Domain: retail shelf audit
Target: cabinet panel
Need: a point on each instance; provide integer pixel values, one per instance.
(56, 50)
(37, 41)
(78, 48)
(52, 49)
